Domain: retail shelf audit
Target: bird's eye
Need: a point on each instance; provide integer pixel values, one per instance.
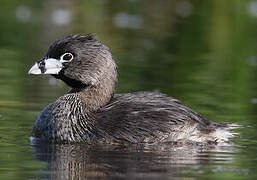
(66, 57)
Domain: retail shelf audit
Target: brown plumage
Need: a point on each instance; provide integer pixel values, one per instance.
(90, 112)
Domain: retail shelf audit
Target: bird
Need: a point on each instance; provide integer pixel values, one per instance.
(90, 112)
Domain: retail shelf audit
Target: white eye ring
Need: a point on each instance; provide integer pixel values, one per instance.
(66, 57)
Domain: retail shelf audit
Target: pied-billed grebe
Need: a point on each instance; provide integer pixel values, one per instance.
(91, 112)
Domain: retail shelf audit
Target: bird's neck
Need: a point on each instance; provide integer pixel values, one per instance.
(93, 97)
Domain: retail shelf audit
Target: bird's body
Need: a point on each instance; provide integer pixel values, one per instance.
(91, 112)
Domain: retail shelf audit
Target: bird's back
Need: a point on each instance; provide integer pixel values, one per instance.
(151, 117)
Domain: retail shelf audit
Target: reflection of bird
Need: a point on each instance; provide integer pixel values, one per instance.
(90, 112)
(141, 161)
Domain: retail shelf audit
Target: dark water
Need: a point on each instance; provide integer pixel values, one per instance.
(201, 52)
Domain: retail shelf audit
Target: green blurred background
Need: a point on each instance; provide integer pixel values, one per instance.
(201, 52)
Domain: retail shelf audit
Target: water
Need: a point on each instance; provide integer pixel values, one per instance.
(201, 52)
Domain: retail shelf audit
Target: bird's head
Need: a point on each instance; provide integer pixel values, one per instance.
(79, 60)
